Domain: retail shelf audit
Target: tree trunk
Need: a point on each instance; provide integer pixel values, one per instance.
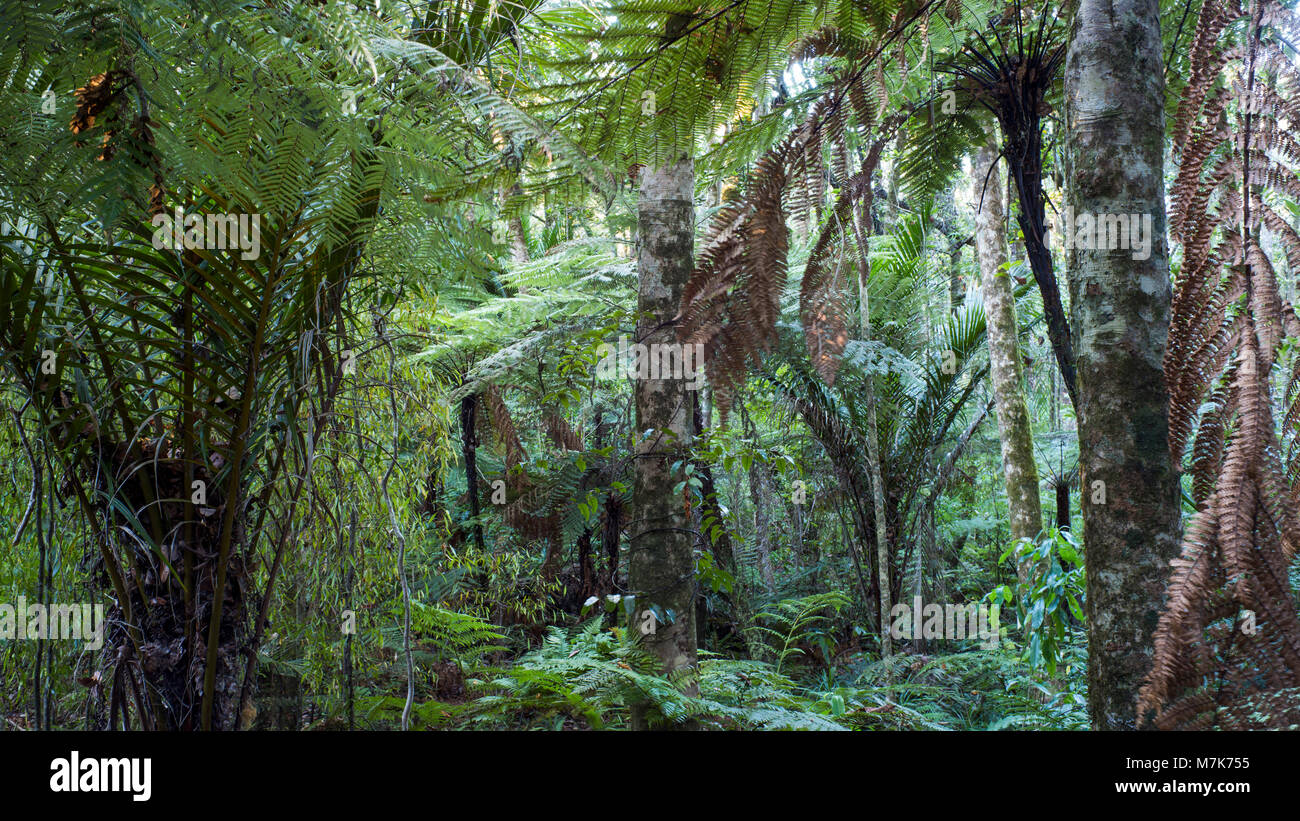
(611, 529)
(861, 214)
(515, 227)
(877, 497)
(873, 437)
(1114, 87)
(1024, 508)
(1063, 505)
(760, 495)
(172, 674)
(469, 452)
(661, 563)
(586, 571)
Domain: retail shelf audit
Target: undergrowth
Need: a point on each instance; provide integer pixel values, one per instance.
(593, 675)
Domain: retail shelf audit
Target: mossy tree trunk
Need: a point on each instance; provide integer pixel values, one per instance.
(1021, 473)
(661, 563)
(1114, 88)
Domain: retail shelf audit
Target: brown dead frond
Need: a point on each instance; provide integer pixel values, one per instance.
(732, 301)
(1227, 648)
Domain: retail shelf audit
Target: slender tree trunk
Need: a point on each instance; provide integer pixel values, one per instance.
(586, 571)
(661, 564)
(1023, 148)
(1114, 87)
(1024, 507)
(469, 452)
(350, 681)
(611, 530)
(760, 495)
(873, 436)
(515, 226)
(877, 495)
(764, 498)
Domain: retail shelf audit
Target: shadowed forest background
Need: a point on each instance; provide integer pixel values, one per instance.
(390, 453)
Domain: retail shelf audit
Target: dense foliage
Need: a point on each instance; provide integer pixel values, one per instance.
(375, 461)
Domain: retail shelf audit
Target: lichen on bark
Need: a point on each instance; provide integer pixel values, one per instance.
(1114, 87)
(1014, 430)
(661, 563)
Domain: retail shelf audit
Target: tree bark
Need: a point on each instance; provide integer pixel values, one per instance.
(873, 435)
(469, 452)
(1114, 87)
(1063, 505)
(661, 563)
(515, 227)
(611, 530)
(1021, 473)
(760, 494)
(1022, 138)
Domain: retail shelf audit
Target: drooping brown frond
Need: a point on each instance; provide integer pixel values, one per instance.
(821, 298)
(1227, 648)
(94, 98)
(96, 109)
(504, 425)
(733, 298)
(732, 301)
(523, 498)
(560, 433)
(520, 513)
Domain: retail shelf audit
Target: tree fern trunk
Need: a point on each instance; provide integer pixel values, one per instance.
(611, 529)
(1021, 473)
(661, 564)
(1114, 88)
(469, 453)
(1063, 505)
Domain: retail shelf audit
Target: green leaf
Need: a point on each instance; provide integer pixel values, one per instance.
(1036, 615)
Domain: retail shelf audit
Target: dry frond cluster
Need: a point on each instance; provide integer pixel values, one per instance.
(1230, 340)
